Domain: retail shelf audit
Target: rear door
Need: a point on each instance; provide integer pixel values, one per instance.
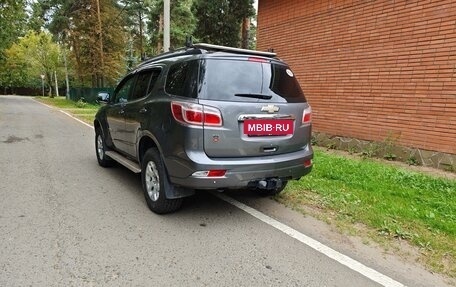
(115, 114)
(263, 109)
(136, 110)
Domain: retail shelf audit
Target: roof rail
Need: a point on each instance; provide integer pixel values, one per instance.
(174, 53)
(192, 49)
(211, 47)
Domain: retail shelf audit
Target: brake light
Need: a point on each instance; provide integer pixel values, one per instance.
(258, 60)
(195, 114)
(307, 116)
(212, 117)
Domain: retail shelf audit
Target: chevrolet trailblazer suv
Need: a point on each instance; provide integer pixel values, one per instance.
(206, 117)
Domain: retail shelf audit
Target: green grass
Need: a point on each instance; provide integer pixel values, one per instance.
(81, 110)
(392, 202)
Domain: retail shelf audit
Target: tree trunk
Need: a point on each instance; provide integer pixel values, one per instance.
(78, 62)
(160, 32)
(141, 49)
(245, 33)
(100, 31)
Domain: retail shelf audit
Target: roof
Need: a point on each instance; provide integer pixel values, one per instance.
(201, 48)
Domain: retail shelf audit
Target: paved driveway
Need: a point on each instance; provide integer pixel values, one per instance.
(65, 221)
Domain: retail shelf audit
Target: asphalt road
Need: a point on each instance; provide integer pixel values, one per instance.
(65, 221)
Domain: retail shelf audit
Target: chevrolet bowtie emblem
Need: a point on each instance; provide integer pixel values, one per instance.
(270, 109)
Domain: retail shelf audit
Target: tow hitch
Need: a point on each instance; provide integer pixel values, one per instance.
(267, 184)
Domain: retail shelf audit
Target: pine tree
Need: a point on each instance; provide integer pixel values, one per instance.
(94, 29)
(219, 21)
(182, 24)
(12, 22)
(12, 26)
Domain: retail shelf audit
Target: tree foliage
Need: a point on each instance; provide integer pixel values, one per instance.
(34, 55)
(182, 23)
(12, 22)
(36, 21)
(12, 72)
(94, 29)
(104, 38)
(136, 17)
(219, 21)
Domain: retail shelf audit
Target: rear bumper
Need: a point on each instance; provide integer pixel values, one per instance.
(241, 171)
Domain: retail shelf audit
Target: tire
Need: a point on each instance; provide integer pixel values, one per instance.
(272, 192)
(100, 149)
(155, 183)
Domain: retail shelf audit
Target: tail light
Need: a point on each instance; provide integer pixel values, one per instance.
(195, 114)
(307, 116)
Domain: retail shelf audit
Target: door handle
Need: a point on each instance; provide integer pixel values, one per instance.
(143, 111)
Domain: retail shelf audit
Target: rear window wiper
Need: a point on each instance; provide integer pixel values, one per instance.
(256, 96)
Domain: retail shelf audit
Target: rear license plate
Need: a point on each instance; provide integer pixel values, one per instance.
(274, 127)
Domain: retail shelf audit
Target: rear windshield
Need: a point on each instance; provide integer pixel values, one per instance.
(243, 80)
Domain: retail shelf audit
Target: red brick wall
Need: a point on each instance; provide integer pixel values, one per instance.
(371, 68)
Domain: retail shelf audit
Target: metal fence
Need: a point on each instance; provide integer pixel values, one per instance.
(88, 95)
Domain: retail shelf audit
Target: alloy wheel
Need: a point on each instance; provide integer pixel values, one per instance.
(152, 180)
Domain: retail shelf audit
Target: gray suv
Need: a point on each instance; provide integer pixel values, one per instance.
(206, 117)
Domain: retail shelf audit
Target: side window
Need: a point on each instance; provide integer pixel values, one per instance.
(182, 79)
(153, 80)
(141, 86)
(144, 84)
(122, 91)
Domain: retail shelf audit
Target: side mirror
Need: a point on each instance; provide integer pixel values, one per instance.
(103, 98)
